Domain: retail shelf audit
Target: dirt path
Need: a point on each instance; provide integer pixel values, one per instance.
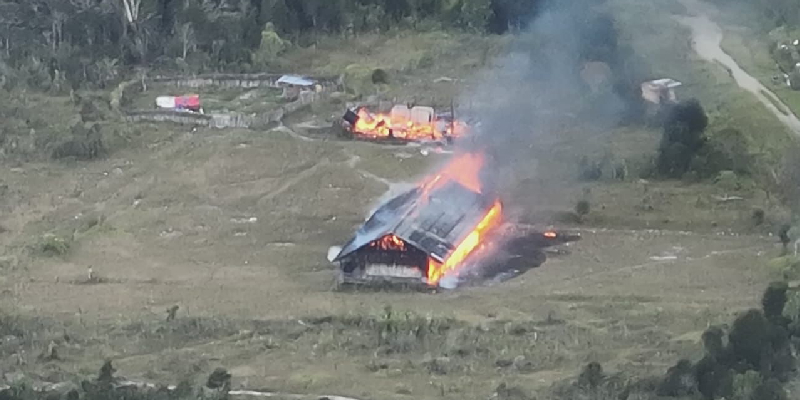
(706, 39)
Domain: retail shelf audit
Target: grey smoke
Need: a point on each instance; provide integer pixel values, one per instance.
(534, 91)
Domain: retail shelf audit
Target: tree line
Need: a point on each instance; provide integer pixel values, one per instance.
(80, 41)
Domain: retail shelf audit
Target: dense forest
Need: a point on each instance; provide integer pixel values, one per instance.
(73, 42)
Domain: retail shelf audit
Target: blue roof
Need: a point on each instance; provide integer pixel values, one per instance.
(434, 224)
(295, 80)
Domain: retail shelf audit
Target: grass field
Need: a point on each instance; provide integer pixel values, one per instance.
(233, 227)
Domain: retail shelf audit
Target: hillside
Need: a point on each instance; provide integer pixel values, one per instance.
(107, 223)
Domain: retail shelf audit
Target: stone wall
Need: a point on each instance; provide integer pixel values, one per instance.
(245, 81)
(229, 120)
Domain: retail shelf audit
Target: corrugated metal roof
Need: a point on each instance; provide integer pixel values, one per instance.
(434, 225)
(295, 80)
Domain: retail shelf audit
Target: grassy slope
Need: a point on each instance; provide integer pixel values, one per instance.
(182, 244)
(747, 42)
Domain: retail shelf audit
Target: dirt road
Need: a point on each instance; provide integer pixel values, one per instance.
(706, 39)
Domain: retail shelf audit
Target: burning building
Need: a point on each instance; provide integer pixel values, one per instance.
(403, 124)
(439, 228)
(424, 233)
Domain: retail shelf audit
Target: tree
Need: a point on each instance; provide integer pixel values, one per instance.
(748, 338)
(271, 45)
(682, 137)
(774, 299)
(474, 14)
(187, 38)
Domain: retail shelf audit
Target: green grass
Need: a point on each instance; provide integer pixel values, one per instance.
(664, 43)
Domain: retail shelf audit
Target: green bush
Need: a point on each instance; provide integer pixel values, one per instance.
(774, 299)
(582, 209)
(749, 337)
(679, 381)
(54, 245)
(682, 138)
(786, 267)
(745, 385)
(726, 150)
(379, 76)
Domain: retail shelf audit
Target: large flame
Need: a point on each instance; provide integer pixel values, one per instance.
(380, 125)
(464, 169)
(437, 270)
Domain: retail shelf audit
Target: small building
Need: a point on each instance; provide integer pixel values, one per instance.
(660, 91)
(293, 84)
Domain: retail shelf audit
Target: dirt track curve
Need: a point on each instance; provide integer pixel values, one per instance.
(706, 38)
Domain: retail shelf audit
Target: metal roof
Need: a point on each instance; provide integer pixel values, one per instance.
(668, 82)
(295, 80)
(435, 224)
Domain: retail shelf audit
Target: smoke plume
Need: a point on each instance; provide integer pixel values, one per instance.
(566, 69)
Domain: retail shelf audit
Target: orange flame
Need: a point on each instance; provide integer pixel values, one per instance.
(436, 270)
(382, 125)
(464, 169)
(390, 242)
(550, 235)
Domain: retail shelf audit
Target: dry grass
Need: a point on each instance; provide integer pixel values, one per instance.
(233, 226)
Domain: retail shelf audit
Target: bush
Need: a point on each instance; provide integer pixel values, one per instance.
(748, 338)
(769, 390)
(726, 150)
(270, 47)
(713, 341)
(86, 144)
(379, 76)
(713, 378)
(219, 379)
(679, 381)
(786, 267)
(745, 385)
(774, 299)
(54, 245)
(682, 137)
(758, 216)
(592, 375)
(582, 209)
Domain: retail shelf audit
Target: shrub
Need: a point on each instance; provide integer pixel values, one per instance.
(745, 385)
(769, 390)
(379, 76)
(682, 137)
(786, 267)
(712, 341)
(219, 379)
(54, 245)
(270, 47)
(774, 299)
(758, 216)
(726, 150)
(592, 375)
(679, 381)
(589, 170)
(713, 378)
(749, 337)
(86, 144)
(582, 209)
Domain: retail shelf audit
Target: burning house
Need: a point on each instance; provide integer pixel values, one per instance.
(402, 124)
(436, 230)
(424, 233)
